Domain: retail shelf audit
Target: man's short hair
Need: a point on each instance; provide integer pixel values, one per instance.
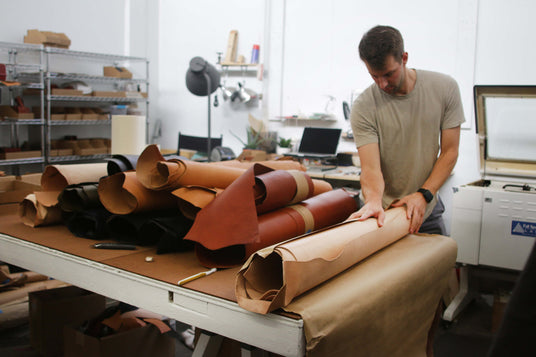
(380, 42)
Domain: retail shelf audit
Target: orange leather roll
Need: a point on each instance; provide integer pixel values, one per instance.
(272, 277)
(155, 173)
(57, 177)
(122, 193)
(273, 164)
(312, 214)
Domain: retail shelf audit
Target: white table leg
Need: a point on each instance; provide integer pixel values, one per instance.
(207, 345)
(465, 295)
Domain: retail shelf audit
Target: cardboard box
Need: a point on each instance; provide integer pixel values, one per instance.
(67, 92)
(15, 155)
(142, 341)
(113, 94)
(51, 310)
(13, 189)
(9, 112)
(47, 38)
(117, 72)
(252, 155)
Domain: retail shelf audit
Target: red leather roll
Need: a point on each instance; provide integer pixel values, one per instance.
(270, 228)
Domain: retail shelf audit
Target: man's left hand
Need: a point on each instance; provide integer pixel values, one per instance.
(415, 208)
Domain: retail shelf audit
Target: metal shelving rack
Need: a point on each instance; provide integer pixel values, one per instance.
(24, 63)
(40, 75)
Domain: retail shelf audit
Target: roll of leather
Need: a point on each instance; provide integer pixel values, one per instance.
(213, 249)
(121, 163)
(126, 227)
(238, 204)
(122, 193)
(89, 223)
(193, 198)
(157, 173)
(57, 177)
(272, 277)
(168, 233)
(79, 197)
(35, 210)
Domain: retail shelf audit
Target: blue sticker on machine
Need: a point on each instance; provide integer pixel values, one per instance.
(526, 229)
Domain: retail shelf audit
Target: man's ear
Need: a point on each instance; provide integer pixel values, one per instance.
(404, 58)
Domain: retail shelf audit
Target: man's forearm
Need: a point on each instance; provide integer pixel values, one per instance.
(372, 186)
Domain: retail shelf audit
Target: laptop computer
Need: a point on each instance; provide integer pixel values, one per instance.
(318, 143)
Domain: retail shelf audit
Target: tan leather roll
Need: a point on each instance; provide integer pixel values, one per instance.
(275, 275)
(57, 177)
(122, 193)
(39, 209)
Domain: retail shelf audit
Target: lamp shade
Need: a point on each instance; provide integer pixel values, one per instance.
(196, 77)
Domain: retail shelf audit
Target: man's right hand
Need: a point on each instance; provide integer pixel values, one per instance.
(370, 210)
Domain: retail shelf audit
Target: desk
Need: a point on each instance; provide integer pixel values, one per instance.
(341, 176)
(389, 313)
(118, 275)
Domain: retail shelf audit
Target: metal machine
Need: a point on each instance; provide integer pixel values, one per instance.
(494, 219)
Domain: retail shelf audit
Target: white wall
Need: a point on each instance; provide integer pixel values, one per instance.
(309, 49)
(202, 29)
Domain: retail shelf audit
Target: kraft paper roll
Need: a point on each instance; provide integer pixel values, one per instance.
(122, 193)
(221, 248)
(272, 277)
(128, 134)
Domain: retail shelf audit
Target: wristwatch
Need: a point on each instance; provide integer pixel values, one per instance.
(428, 197)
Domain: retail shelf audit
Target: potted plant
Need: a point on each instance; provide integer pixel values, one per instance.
(284, 146)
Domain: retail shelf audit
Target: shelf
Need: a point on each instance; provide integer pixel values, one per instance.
(30, 160)
(77, 157)
(8, 46)
(86, 77)
(100, 56)
(15, 121)
(39, 69)
(65, 98)
(81, 122)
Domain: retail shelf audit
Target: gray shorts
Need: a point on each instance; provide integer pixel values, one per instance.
(434, 224)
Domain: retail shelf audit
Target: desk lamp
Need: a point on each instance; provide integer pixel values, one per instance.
(202, 79)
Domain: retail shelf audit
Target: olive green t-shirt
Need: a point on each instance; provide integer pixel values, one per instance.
(407, 129)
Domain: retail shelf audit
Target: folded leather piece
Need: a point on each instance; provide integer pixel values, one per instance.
(79, 197)
(126, 228)
(214, 251)
(40, 209)
(168, 234)
(122, 193)
(120, 163)
(272, 277)
(89, 223)
(57, 177)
